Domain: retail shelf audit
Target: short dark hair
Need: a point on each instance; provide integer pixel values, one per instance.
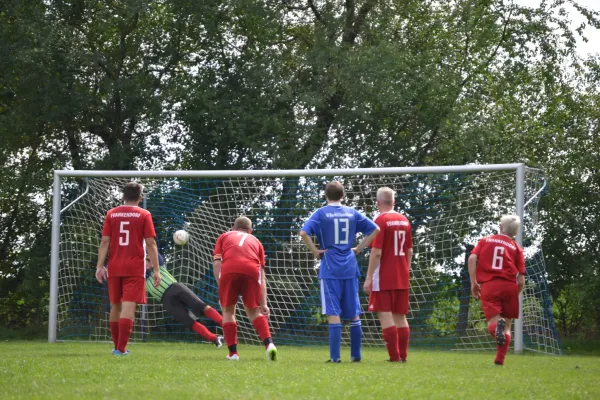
(334, 191)
(242, 224)
(132, 191)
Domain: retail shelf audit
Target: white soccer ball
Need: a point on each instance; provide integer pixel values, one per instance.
(181, 237)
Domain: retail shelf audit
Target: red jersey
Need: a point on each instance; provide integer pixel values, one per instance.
(127, 227)
(498, 256)
(240, 253)
(394, 240)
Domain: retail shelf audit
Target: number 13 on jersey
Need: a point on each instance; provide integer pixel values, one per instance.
(341, 230)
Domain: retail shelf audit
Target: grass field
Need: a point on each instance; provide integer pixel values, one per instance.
(191, 371)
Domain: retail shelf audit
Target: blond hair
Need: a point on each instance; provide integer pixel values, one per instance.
(242, 224)
(386, 195)
(509, 225)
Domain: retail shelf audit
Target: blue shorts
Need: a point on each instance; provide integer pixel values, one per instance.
(339, 297)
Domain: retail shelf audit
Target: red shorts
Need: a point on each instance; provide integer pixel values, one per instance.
(394, 301)
(127, 288)
(500, 296)
(231, 286)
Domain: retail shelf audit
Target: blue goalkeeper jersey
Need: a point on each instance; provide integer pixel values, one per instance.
(335, 227)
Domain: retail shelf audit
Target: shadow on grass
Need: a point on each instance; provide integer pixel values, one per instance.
(578, 347)
(30, 333)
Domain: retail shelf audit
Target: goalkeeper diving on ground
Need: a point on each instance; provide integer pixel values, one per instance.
(181, 303)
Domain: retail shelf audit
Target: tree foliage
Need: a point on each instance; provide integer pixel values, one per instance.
(237, 84)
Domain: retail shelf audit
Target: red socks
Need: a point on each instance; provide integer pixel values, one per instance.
(396, 341)
(390, 337)
(214, 315)
(262, 327)
(204, 332)
(403, 338)
(502, 350)
(492, 329)
(125, 328)
(114, 332)
(230, 333)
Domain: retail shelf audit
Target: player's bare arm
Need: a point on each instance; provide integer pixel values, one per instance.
(473, 276)
(264, 309)
(366, 241)
(217, 269)
(152, 250)
(374, 260)
(521, 282)
(102, 253)
(311, 245)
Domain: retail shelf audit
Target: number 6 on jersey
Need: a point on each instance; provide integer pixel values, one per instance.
(498, 259)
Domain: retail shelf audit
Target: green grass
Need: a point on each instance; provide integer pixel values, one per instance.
(31, 370)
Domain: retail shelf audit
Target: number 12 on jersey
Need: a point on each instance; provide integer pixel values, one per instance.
(399, 239)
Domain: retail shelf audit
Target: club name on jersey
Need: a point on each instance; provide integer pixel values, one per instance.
(492, 240)
(125, 215)
(341, 214)
(397, 223)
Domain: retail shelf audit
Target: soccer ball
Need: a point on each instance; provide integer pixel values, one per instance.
(181, 237)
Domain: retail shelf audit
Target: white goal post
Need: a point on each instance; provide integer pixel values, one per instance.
(454, 206)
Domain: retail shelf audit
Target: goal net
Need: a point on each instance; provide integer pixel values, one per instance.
(450, 208)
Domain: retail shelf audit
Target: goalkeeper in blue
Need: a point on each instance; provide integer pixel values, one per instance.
(335, 227)
(181, 303)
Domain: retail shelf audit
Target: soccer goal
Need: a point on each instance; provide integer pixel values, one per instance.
(450, 208)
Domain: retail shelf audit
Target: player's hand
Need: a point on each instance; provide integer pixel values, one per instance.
(475, 290)
(264, 310)
(101, 274)
(319, 254)
(356, 251)
(521, 282)
(157, 280)
(367, 285)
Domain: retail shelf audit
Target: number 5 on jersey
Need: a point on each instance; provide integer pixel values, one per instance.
(124, 240)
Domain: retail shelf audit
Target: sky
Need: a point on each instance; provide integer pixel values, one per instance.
(593, 35)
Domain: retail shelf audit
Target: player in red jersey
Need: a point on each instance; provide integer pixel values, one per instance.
(388, 275)
(497, 272)
(239, 266)
(127, 230)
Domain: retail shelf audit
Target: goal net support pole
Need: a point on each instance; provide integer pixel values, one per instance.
(55, 243)
(520, 211)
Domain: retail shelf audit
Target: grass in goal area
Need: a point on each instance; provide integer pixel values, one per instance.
(200, 371)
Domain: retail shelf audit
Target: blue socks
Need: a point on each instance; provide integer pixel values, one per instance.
(335, 341)
(355, 339)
